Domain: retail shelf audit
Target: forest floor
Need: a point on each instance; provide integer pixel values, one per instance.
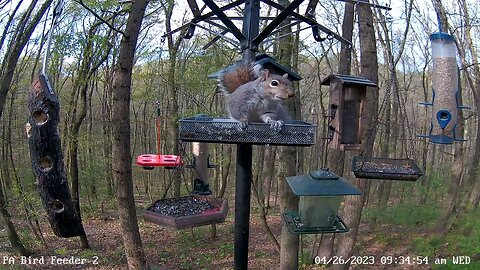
(195, 249)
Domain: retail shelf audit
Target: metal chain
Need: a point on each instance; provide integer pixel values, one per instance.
(407, 132)
(380, 113)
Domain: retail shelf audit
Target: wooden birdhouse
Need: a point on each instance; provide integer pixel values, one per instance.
(346, 110)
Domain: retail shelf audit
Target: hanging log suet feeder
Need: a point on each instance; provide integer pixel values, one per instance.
(46, 150)
(47, 159)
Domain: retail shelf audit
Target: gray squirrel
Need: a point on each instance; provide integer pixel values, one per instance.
(255, 95)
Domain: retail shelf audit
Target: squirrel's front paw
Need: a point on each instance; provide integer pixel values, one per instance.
(276, 125)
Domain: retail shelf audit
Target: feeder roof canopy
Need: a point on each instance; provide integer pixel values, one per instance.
(321, 183)
(267, 62)
(440, 36)
(348, 80)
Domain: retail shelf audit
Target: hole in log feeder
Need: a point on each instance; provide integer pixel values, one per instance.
(57, 206)
(45, 163)
(40, 117)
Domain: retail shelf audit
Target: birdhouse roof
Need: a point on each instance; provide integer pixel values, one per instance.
(348, 80)
(267, 62)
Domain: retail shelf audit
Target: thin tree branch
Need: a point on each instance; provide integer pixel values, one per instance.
(101, 19)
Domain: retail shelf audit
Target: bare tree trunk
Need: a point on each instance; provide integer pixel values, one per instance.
(352, 210)
(288, 202)
(106, 128)
(269, 173)
(122, 159)
(226, 171)
(90, 64)
(472, 75)
(259, 194)
(12, 235)
(90, 148)
(289, 245)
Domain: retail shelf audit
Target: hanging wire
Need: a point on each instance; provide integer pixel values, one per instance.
(380, 114)
(181, 169)
(55, 15)
(439, 21)
(406, 129)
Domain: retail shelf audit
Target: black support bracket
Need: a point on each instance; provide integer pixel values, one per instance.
(276, 22)
(224, 18)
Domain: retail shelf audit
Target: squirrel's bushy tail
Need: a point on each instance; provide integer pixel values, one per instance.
(238, 75)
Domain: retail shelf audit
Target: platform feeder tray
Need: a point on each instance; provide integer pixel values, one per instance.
(295, 226)
(187, 212)
(385, 168)
(226, 130)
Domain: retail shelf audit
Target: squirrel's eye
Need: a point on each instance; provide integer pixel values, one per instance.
(274, 83)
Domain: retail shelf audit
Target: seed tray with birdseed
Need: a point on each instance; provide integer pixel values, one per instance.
(187, 212)
(385, 168)
(226, 130)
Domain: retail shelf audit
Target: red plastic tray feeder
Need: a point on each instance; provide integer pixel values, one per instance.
(149, 161)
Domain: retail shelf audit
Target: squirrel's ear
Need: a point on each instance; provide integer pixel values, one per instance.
(285, 76)
(265, 74)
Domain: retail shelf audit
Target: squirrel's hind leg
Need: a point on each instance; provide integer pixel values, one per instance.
(243, 122)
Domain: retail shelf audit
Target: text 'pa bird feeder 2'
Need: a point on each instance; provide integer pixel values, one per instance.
(320, 197)
(346, 110)
(446, 90)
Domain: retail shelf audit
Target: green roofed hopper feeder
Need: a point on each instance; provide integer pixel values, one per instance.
(320, 197)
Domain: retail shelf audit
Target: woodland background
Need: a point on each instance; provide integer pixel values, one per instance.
(436, 216)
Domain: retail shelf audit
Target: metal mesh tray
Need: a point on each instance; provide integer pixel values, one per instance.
(226, 130)
(385, 168)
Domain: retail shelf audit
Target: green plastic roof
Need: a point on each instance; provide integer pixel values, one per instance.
(321, 183)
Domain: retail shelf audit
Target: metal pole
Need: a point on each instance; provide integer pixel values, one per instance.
(251, 26)
(242, 205)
